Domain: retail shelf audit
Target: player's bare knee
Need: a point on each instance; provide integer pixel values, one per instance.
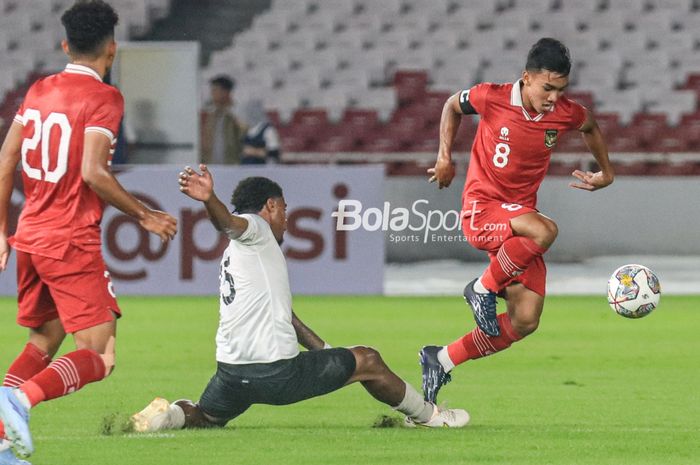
(547, 233)
(525, 325)
(368, 360)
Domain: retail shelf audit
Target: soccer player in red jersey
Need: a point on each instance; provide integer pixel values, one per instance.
(64, 135)
(518, 127)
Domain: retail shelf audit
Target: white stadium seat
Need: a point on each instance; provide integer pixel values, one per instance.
(381, 99)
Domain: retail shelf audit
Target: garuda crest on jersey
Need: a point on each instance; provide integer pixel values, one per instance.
(550, 138)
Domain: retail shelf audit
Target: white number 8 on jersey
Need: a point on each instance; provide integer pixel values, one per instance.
(500, 158)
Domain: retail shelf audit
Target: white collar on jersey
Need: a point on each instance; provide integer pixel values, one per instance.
(80, 69)
(517, 101)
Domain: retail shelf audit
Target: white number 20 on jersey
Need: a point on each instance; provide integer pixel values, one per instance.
(42, 134)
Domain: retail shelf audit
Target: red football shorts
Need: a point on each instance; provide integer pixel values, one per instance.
(486, 226)
(77, 289)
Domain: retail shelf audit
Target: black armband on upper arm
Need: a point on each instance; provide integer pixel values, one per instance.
(465, 104)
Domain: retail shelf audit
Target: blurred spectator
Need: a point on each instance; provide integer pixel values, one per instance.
(261, 142)
(222, 131)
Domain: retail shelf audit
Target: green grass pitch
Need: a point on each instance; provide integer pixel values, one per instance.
(589, 387)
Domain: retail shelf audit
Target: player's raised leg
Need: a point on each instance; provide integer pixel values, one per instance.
(522, 318)
(533, 233)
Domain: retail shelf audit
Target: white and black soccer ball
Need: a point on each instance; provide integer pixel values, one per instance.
(633, 291)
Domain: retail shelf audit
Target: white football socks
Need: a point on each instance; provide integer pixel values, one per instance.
(176, 417)
(414, 406)
(444, 358)
(479, 287)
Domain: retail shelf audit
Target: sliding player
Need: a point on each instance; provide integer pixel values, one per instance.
(258, 357)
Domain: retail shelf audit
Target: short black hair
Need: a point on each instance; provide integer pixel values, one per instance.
(223, 81)
(252, 193)
(549, 54)
(89, 23)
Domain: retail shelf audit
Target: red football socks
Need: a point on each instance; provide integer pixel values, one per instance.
(65, 375)
(478, 344)
(511, 260)
(30, 362)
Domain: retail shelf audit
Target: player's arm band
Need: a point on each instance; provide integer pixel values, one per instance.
(465, 104)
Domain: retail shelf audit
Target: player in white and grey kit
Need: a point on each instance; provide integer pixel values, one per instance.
(258, 339)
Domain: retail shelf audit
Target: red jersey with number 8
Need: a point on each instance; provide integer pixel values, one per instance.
(511, 150)
(60, 208)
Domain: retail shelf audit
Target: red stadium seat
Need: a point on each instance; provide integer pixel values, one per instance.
(309, 124)
(410, 85)
(360, 123)
(571, 142)
(292, 143)
(692, 82)
(339, 139)
(432, 104)
(623, 140)
(648, 127)
(381, 140)
(609, 123)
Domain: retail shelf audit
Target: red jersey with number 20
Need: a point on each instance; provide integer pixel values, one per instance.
(512, 147)
(60, 209)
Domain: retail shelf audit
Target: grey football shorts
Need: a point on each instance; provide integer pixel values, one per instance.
(234, 388)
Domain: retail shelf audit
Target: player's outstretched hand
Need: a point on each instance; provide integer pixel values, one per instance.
(195, 185)
(4, 252)
(160, 223)
(443, 173)
(590, 181)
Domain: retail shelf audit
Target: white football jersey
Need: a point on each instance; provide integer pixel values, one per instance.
(255, 324)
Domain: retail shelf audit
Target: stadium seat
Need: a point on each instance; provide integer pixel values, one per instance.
(410, 85)
(381, 141)
(647, 127)
(571, 142)
(623, 140)
(336, 140)
(579, 8)
(341, 7)
(432, 104)
(673, 5)
(382, 99)
(360, 123)
(333, 100)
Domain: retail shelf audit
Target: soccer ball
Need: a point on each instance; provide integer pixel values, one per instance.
(633, 291)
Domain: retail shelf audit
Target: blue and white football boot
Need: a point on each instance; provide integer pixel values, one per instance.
(483, 307)
(15, 416)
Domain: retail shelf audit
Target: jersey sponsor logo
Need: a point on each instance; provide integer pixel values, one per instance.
(504, 133)
(464, 96)
(550, 138)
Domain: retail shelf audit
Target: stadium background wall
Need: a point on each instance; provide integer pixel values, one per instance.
(634, 216)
